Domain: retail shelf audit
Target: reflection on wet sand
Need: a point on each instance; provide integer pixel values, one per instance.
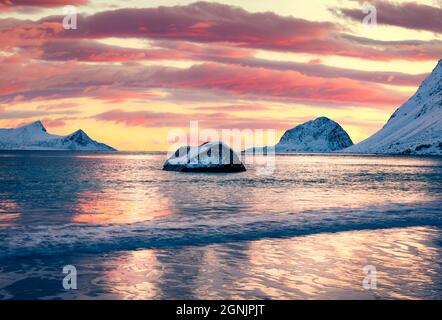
(322, 266)
(187, 273)
(330, 266)
(132, 276)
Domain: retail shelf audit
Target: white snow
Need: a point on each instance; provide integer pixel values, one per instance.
(414, 128)
(36, 137)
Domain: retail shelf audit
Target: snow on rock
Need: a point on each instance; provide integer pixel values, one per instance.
(208, 157)
(415, 128)
(36, 137)
(316, 136)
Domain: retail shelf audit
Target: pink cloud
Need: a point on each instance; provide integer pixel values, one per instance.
(236, 81)
(236, 26)
(204, 22)
(49, 60)
(22, 4)
(27, 35)
(92, 51)
(410, 15)
(59, 106)
(201, 22)
(323, 71)
(277, 85)
(83, 50)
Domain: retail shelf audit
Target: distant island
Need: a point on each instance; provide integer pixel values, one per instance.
(35, 137)
(321, 135)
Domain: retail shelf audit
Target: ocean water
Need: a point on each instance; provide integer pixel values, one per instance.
(133, 231)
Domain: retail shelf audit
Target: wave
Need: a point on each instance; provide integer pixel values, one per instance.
(187, 230)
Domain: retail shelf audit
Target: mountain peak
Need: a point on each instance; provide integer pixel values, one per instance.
(36, 126)
(438, 66)
(80, 137)
(432, 85)
(79, 132)
(319, 122)
(322, 119)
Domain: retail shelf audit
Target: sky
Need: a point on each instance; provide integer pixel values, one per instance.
(133, 71)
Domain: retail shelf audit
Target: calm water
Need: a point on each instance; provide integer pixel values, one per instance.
(134, 231)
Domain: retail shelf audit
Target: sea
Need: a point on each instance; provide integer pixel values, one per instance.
(315, 226)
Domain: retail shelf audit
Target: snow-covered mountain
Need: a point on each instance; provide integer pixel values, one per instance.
(36, 137)
(415, 128)
(319, 135)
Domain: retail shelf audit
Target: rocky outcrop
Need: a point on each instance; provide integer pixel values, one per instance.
(208, 157)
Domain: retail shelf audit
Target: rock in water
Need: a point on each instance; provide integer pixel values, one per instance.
(208, 157)
(415, 128)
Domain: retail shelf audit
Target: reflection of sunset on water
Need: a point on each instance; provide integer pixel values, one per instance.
(109, 207)
(306, 231)
(129, 196)
(327, 181)
(8, 220)
(8, 215)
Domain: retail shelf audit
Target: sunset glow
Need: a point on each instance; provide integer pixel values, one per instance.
(134, 70)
